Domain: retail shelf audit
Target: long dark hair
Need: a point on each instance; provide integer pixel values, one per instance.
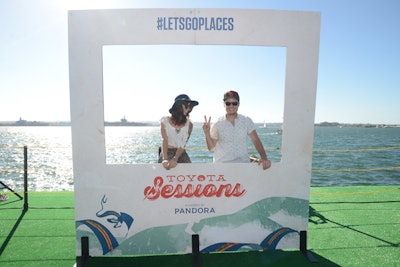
(177, 116)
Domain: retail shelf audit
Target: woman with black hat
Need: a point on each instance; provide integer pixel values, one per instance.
(175, 132)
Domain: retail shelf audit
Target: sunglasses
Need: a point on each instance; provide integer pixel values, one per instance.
(188, 105)
(231, 103)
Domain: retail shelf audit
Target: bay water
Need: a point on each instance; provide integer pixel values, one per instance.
(342, 156)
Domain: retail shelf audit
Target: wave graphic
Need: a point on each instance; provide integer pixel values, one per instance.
(269, 243)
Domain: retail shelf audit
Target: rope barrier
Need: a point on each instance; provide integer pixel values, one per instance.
(355, 193)
(36, 147)
(312, 192)
(43, 170)
(35, 170)
(357, 150)
(393, 168)
(202, 148)
(360, 170)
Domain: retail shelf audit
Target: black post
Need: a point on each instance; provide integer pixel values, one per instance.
(84, 252)
(85, 247)
(26, 178)
(303, 247)
(303, 241)
(195, 251)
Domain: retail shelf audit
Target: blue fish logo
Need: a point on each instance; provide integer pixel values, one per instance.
(116, 218)
(106, 238)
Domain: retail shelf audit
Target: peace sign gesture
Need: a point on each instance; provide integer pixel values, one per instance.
(207, 124)
(211, 142)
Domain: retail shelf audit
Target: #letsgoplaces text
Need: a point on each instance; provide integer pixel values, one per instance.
(195, 24)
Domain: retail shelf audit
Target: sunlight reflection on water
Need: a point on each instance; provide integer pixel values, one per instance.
(50, 154)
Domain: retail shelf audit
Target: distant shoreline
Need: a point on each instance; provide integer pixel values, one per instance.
(360, 125)
(24, 123)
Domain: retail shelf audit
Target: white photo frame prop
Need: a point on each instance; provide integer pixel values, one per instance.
(145, 209)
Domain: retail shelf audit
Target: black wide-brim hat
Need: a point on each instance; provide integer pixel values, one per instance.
(180, 99)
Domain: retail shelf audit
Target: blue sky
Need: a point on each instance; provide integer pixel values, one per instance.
(358, 74)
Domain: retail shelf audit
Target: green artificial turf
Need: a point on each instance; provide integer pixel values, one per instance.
(348, 226)
(42, 236)
(356, 226)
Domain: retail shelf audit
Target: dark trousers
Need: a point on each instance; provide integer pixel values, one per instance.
(184, 158)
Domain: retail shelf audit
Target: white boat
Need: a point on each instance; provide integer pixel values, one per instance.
(264, 125)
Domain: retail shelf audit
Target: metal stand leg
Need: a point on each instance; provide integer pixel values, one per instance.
(80, 261)
(195, 251)
(303, 247)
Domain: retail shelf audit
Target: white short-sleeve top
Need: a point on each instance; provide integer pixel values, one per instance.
(232, 139)
(176, 137)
